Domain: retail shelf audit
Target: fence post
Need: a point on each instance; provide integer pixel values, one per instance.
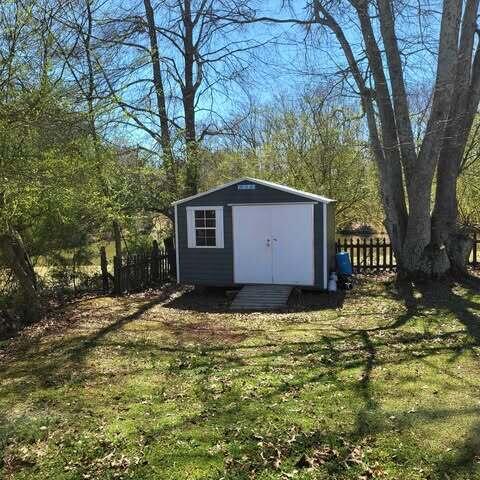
(170, 250)
(475, 249)
(384, 255)
(357, 269)
(154, 265)
(117, 275)
(104, 269)
(372, 267)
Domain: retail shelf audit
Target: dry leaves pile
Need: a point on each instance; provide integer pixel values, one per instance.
(278, 455)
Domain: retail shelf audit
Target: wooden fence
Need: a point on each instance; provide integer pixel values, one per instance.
(373, 256)
(140, 271)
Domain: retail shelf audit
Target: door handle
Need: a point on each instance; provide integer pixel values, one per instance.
(267, 241)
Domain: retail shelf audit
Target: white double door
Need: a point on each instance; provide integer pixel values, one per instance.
(273, 244)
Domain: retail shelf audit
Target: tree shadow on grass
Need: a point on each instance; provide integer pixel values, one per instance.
(263, 455)
(332, 356)
(61, 361)
(316, 362)
(325, 359)
(421, 301)
(446, 296)
(78, 353)
(314, 300)
(429, 301)
(424, 299)
(365, 415)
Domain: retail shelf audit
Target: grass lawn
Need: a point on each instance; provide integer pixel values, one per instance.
(172, 386)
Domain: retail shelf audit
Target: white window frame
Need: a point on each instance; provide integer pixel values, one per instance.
(192, 242)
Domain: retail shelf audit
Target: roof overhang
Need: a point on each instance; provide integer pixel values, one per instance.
(277, 186)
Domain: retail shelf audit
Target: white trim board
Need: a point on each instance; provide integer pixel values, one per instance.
(283, 188)
(325, 266)
(269, 203)
(177, 253)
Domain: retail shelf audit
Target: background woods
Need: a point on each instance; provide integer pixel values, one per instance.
(111, 110)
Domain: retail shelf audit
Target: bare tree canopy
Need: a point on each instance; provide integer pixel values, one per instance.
(175, 61)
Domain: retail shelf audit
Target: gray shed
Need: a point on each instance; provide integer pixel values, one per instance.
(252, 231)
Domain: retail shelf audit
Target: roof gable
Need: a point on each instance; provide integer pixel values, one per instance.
(277, 186)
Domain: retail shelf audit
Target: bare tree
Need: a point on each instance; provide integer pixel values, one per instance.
(425, 242)
(194, 55)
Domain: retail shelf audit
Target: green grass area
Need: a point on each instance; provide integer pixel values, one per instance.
(172, 386)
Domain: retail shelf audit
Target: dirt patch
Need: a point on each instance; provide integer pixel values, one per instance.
(203, 332)
(200, 299)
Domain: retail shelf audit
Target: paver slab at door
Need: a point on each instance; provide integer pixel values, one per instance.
(262, 297)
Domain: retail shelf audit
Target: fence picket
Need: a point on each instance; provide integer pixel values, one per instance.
(117, 275)
(370, 255)
(390, 257)
(476, 241)
(384, 255)
(358, 254)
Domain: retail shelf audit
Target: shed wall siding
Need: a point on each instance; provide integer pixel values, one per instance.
(331, 236)
(214, 266)
(205, 266)
(318, 242)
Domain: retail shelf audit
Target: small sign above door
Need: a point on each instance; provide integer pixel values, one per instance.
(246, 186)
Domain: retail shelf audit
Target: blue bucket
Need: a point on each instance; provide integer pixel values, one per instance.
(344, 265)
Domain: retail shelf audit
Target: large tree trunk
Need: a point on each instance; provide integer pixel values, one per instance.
(165, 138)
(117, 237)
(17, 259)
(420, 256)
(191, 83)
(448, 247)
(447, 235)
(386, 153)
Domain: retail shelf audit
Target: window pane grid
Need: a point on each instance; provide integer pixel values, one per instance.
(205, 228)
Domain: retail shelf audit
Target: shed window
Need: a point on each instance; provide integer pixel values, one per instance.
(205, 227)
